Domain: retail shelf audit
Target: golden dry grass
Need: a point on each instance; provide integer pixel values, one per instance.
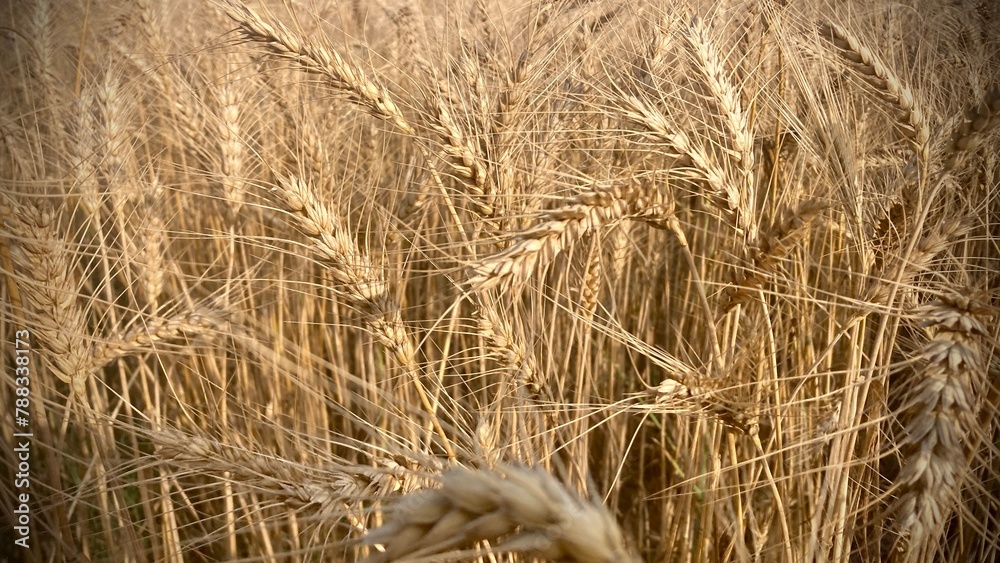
(503, 281)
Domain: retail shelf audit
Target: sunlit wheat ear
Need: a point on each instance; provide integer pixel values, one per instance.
(709, 61)
(562, 227)
(357, 276)
(342, 75)
(860, 58)
(44, 264)
(527, 509)
(695, 161)
(940, 415)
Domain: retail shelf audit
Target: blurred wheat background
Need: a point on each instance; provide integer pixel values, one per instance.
(477, 280)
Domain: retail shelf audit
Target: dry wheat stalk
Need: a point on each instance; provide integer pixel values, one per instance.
(912, 118)
(560, 228)
(527, 508)
(318, 59)
(940, 414)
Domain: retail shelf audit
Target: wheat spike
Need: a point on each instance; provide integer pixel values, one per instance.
(940, 414)
(475, 505)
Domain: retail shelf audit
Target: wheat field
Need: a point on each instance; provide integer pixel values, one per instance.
(478, 280)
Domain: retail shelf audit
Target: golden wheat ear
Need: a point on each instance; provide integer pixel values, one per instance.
(940, 415)
(532, 511)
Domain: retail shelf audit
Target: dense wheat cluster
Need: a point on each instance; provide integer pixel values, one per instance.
(477, 280)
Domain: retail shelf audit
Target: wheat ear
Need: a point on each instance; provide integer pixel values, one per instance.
(673, 395)
(979, 122)
(773, 246)
(318, 59)
(144, 338)
(536, 513)
(940, 413)
(736, 120)
(361, 280)
(560, 228)
(44, 262)
(463, 156)
(912, 118)
(334, 491)
(724, 195)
